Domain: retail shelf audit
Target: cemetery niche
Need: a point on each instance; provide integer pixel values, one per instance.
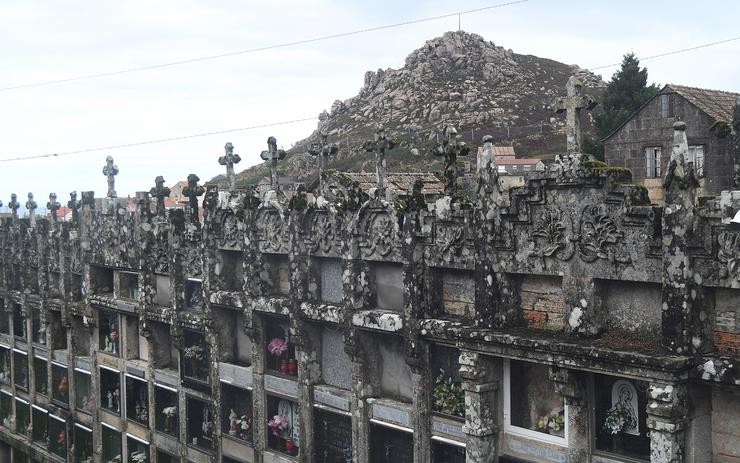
(283, 425)
(41, 376)
(111, 445)
(279, 351)
(200, 426)
(332, 437)
(110, 390)
(109, 338)
(84, 398)
(60, 384)
(194, 359)
(620, 416)
(83, 444)
(20, 367)
(236, 412)
(137, 400)
(166, 411)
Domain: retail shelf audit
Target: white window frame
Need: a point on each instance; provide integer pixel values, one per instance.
(692, 158)
(656, 161)
(524, 432)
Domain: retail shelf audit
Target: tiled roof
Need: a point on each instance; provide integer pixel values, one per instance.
(521, 161)
(718, 104)
(503, 151)
(401, 182)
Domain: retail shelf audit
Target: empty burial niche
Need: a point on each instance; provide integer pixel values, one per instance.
(277, 274)
(101, 279)
(456, 292)
(229, 270)
(193, 294)
(388, 279)
(162, 291)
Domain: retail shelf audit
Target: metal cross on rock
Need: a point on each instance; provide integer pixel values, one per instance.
(192, 191)
(160, 192)
(451, 148)
(271, 157)
(323, 150)
(53, 206)
(572, 105)
(110, 170)
(228, 160)
(379, 145)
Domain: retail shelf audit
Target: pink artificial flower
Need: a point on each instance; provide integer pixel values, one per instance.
(277, 347)
(277, 424)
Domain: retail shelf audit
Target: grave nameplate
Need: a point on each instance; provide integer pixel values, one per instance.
(447, 427)
(281, 385)
(332, 437)
(531, 449)
(331, 400)
(393, 415)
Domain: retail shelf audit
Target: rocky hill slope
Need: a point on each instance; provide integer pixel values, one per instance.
(458, 78)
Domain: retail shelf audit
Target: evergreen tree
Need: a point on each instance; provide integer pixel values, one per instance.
(625, 93)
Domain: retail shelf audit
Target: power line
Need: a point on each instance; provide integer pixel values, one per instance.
(158, 140)
(672, 52)
(254, 50)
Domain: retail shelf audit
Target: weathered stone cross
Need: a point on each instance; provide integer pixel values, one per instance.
(323, 150)
(272, 156)
(160, 192)
(14, 205)
(53, 206)
(451, 148)
(31, 206)
(572, 105)
(228, 160)
(192, 191)
(379, 145)
(110, 170)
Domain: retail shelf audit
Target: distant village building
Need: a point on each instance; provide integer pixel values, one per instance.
(286, 184)
(643, 143)
(511, 170)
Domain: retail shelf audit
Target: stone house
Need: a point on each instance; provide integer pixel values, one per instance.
(643, 142)
(566, 320)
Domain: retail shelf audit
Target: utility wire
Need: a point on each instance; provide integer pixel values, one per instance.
(672, 52)
(158, 140)
(254, 50)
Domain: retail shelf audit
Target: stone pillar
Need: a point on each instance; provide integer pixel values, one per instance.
(481, 377)
(309, 372)
(572, 386)
(259, 400)
(421, 384)
(365, 383)
(667, 411)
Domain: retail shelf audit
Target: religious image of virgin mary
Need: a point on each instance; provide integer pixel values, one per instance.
(624, 405)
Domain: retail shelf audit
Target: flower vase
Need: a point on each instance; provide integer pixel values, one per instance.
(289, 446)
(292, 367)
(284, 367)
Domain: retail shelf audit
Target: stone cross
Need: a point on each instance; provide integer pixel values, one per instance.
(192, 191)
(31, 206)
(228, 160)
(110, 170)
(379, 145)
(74, 205)
(451, 148)
(272, 156)
(14, 205)
(323, 150)
(160, 192)
(572, 106)
(53, 206)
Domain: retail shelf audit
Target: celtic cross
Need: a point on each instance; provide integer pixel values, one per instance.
(74, 205)
(14, 205)
(572, 104)
(31, 206)
(110, 171)
(228, 160)
(160, 192)
(53, 206)
(323, 150)
(271, 157)
(450, 149)
(192, 191)
(379, 145)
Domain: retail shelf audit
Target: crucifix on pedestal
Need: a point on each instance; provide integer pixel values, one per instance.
(31, 206)
(271, 157)
(228, 160)
(572, 104)
(323, 150)
(450, 148)
(192, 191)
(53, 206)
(14, 205)
(379, 145)
(110, 171)
(74, 205)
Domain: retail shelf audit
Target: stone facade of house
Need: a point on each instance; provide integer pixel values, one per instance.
(567, 320)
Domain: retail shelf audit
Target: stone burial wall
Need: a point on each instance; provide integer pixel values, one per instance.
(564, 320)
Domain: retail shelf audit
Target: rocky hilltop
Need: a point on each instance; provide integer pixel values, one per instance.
(458, 78)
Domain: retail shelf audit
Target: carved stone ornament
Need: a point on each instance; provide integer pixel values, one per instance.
(449, 239)
(272, 231)
(229, 231)
(322, 232)
(599, 236)
(380, 235)
(550, 236)
(729, 254)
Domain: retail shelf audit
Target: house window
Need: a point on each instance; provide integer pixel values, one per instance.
(110, 390)
(166, 409)
(84, 400)
(60, 382)
(532, 406)
(652, 160)
(83, 444)
(283, 425)
(137, 400)
(665, 105)
(111, 444)
(620, 416)
(41, 376)
(696, 155)
(236, 412)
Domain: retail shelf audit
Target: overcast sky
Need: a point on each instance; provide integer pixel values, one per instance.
(41, 40)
